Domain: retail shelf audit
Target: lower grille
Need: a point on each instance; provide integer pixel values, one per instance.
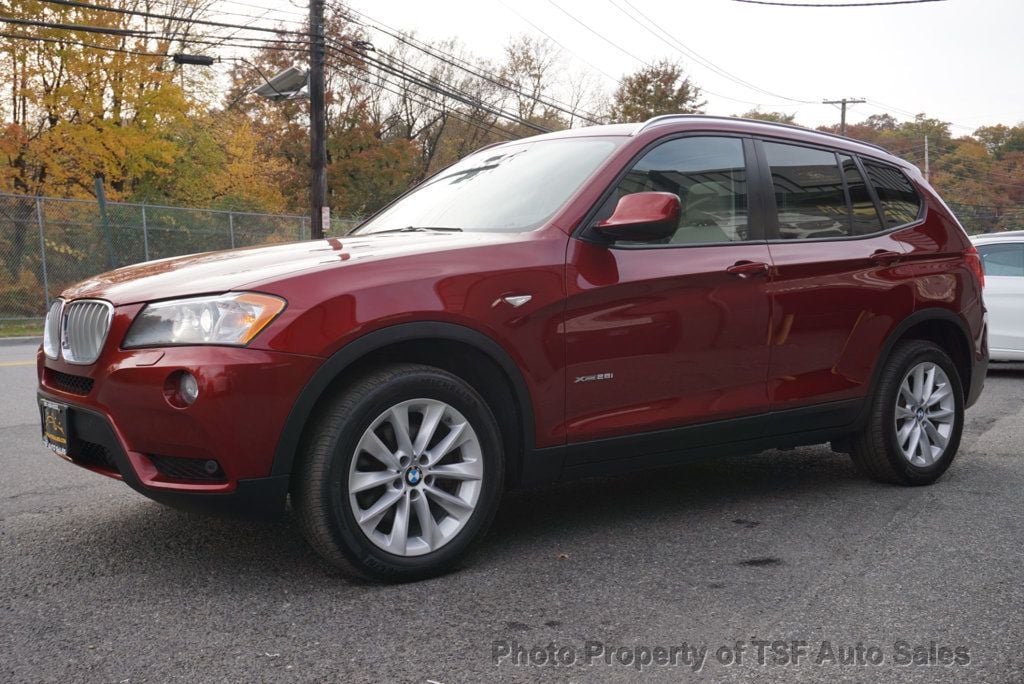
(65, 382)
(195, 469)
(92, 454)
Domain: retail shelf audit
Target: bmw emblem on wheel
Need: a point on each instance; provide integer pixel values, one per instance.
(413, 475)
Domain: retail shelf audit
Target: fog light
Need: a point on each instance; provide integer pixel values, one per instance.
(188, 388)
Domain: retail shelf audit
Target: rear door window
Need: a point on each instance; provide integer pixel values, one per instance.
(808, 188)
(900, 201)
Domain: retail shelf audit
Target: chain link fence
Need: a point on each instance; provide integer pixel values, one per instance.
(47, 244)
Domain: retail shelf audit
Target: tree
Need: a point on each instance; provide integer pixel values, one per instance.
(661, 88)
(87, 104)
(777, 117)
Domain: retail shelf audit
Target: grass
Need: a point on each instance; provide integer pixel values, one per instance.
(23, 327)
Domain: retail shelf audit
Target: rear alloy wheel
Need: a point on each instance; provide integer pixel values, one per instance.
(401, 474)
(913, 430)
(925, 414)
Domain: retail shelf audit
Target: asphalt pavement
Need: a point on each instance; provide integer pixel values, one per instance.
(722, 570)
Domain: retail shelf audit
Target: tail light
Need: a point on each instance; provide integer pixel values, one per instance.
(973, 260)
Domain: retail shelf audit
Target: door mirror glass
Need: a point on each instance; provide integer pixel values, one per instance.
(642, 217)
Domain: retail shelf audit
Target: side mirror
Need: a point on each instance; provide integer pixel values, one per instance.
(642, 216)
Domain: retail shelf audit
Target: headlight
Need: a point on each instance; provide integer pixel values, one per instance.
(231, 319)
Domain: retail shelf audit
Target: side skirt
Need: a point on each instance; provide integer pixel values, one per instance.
(747, 435)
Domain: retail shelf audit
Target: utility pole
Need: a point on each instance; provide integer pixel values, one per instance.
(845, 101)
(320, 213)
(927, 166)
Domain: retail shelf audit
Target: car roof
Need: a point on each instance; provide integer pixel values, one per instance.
(738, 125)
(1005, 236)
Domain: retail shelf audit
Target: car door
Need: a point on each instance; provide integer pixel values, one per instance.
(674, 333)
(1004, 296)
(834, 293)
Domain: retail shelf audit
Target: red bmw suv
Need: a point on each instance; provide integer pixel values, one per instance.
(584, 302)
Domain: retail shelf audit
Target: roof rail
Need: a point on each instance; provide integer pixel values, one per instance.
(669, 117)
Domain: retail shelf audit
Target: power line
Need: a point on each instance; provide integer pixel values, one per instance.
(433, 105)
(692, 54)
(149, 35)
(435, 87)
(86, 28)
(61, 41)
(464, 66)
(556, 42)
(645, 62)
(172, 17)
(838, 4)
(599, 35)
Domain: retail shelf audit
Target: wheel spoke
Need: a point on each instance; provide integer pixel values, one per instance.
(464, 470)
(903, 412)
(915, 439)
(452, 440)
(929, 385)
(399, 419)
(939, 394)
(919, 383)
(934, 436)
(369, 518)
(926, 446)
(431, 418)
(904, 433)
(371, 444)
(428, 526)
(399, 537)
(360, 480)
(907, 393)
(939, 414)
(455, 506)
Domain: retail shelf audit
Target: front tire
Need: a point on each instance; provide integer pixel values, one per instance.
(917, 417)
(401, 475)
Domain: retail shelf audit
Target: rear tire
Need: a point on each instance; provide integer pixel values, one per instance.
(401, 474)
(916, 420)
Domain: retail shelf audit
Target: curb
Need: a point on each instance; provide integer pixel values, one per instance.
(12, 341)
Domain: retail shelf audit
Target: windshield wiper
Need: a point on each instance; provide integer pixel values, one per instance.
(417, 229)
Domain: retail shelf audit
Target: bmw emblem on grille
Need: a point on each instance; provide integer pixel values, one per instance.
(413, 475)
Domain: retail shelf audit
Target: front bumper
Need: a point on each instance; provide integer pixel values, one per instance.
(122, 425)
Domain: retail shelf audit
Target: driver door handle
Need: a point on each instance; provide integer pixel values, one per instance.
(745, 269)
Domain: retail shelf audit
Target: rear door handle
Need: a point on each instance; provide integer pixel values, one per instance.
(885, 256)
(745, 269)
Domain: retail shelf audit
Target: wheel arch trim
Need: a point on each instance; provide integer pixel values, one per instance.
(304, 405)
(923, 316)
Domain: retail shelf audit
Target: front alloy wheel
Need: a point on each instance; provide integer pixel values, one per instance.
(401, 473)
(414, 479)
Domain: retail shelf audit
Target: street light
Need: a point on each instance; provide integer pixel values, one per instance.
(290, 84)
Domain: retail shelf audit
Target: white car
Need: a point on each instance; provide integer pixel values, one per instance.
(1002, 256)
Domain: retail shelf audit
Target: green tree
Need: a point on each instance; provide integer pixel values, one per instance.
(661, 88)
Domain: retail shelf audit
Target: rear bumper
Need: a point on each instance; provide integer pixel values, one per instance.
(96, 445)
(979, 365)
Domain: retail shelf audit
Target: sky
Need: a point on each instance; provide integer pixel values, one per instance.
(960, 61)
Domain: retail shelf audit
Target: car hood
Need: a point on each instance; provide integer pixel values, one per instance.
(214, 272)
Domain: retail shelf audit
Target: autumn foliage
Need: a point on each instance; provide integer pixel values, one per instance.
(77, 105)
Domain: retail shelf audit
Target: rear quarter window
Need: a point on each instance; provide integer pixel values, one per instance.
(896, 194)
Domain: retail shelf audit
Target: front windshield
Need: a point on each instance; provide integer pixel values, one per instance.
(511, 188)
